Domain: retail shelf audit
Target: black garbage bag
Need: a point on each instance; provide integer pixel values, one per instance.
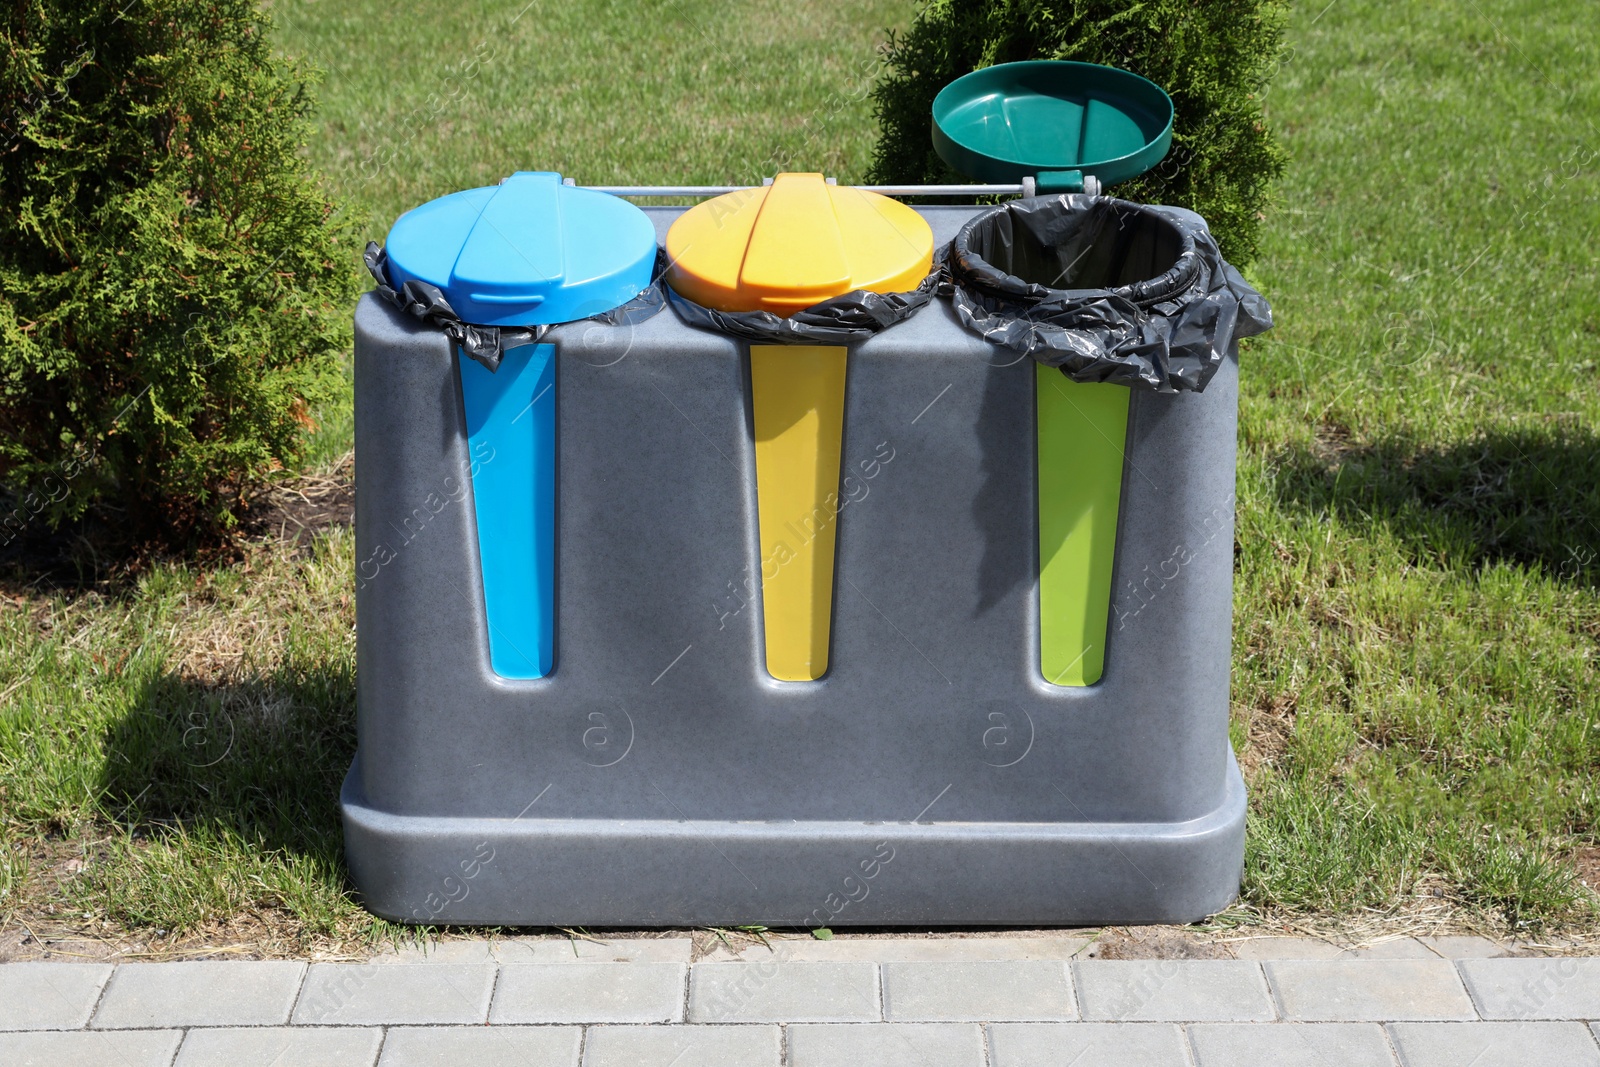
(487, 344)
(1105, 289)
(838, 320)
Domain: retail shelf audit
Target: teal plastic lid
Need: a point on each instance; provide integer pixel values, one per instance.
(527, 252)
(1016, 120)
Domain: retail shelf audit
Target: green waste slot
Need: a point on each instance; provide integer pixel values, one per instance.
(1083, 429)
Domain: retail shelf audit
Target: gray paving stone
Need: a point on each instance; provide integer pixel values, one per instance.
(1290, 1045)
(1368, 990)
(1086, 1045)
(589, 993)
(281, 1046)
(622, 950)
(49, 996)
(1285, 948)
(456, 952)
(1495, 1045)
(544, 950)
(1543, 947)
(1314, 948)
(199, 993)
(1396, 948)
(89, 1048)
(777, 990)
(481, 1046)
(357, 994)
(682, 1046)
(915, 950)
(1173, 991)
(886, 1045)
(1469, 947)
(1556, 988)
(980, 991)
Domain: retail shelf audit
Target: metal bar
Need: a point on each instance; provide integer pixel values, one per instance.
(944, 190)
(667, 190)
(886, 190)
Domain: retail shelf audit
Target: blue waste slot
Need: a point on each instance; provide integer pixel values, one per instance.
(528, 253)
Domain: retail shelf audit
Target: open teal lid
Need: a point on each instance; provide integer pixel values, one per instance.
(527, 252)
(1039, 118)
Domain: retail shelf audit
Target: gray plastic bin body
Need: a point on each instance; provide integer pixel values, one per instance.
(658, 776)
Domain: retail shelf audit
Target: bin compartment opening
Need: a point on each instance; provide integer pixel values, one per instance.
(1107, 290)
(1109, 244)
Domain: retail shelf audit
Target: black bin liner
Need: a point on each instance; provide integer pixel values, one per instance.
(839, 320)
(488, 344)
(1105, 289)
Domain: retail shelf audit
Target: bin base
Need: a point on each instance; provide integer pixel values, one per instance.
(651, 872)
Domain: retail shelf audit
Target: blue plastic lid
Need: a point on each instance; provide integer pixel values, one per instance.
(527, 252)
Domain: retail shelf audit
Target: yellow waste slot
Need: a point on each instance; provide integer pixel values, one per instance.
(798, 394)
(783, 248)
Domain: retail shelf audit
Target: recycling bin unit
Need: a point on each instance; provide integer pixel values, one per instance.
(683, 620)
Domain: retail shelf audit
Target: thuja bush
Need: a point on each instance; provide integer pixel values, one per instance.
(174, 283)
(1213, 57)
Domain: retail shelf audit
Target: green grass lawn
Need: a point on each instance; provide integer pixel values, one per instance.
(1415, 676)
(1417, 635)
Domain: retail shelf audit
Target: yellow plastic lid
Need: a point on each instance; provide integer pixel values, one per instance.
(794, 243)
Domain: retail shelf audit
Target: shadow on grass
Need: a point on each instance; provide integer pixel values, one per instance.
(1529, 496)
(264, 756)
(96, 552)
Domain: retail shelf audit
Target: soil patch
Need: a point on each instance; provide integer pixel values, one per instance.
(295, 512)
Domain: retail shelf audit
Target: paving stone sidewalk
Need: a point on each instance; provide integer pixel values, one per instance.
(961, 1002)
